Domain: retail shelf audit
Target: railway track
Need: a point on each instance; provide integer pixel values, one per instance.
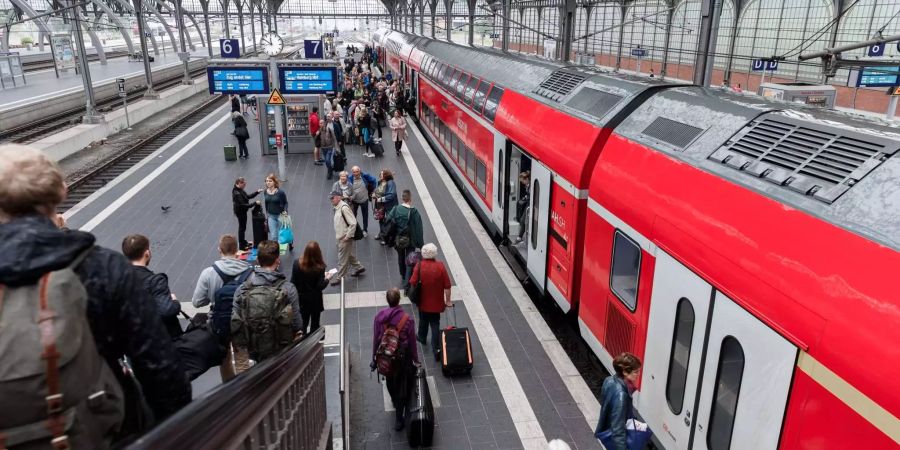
(32, 66)
(82, 187)
(37, 130)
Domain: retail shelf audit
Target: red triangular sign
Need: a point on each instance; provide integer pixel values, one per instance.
(275, 98)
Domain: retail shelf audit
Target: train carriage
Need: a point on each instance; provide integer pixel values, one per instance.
(742, 248)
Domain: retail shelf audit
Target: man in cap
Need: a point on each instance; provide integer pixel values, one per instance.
(344, 231)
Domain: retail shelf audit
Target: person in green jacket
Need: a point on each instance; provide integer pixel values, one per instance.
(408, 233)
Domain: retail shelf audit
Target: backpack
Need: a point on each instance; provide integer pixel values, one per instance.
(404, 239)
(388, 353)
(55, 384)
(223, 301)
(266, 314)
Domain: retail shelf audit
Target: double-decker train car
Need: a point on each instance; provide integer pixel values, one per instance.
(742, 248)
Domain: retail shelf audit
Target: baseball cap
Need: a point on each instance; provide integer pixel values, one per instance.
(333, 193)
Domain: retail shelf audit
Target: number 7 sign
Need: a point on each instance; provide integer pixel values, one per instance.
(312, 49)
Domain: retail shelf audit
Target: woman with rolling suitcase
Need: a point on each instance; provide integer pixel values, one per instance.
(430, 285)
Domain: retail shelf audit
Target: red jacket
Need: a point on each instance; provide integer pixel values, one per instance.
(313, 124)
(434, 280)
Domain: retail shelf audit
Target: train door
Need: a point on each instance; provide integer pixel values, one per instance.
(501, 185)
(708, 364)
(541, 178)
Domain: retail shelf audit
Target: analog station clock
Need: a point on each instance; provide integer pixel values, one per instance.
(272, 44)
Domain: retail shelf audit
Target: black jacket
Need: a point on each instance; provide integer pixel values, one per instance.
(123, 318)
(240, 200)
(310, 286)
(157, 285)
(241, 132)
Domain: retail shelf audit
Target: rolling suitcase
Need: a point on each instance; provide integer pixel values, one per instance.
(420, 429)
(456, 350)
(230, 153)
(377, 148)
(258, 221)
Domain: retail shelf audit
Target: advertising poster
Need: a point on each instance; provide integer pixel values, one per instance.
(63, 51)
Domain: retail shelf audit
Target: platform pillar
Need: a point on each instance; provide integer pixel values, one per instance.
(185, 56)
(90, 112)
(892, 108)
(139, 16)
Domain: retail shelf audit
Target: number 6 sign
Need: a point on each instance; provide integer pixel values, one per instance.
(230, 48)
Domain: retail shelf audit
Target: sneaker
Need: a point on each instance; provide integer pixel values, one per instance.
(319, 163)
(437, 355)
(370, 155)
(365, 234)
(359, 271)
(383, 242)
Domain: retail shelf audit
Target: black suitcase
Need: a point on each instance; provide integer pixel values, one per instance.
(258, 220)
(420, 429)
(377, 148)
(456, 350)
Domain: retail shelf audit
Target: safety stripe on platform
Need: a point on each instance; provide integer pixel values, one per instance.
(520, 410)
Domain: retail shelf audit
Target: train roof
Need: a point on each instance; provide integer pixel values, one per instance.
(830, 164)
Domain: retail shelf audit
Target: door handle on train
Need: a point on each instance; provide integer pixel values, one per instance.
(687, 422)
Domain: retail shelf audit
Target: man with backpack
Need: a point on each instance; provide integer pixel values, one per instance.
(406, 232)
(60, 377)
(266, 315)
(395, 354)
(137, 249)
(216, 287)
(345, 227)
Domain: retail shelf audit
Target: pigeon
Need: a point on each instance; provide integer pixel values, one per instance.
(165, 209)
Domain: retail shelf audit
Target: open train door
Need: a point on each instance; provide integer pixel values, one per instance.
(541, 177)
(714, 376)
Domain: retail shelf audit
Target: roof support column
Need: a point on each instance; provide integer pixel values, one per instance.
(433, 6)
(668, 37)
(252, 26)
(448, 7)
(224, 4)
(623, 11)
(471, 5)
(566, 29)
(504, 26)
(204, 4)
(710, 13)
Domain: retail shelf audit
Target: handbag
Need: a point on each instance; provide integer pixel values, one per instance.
(635, 438)
(285, 234)
(415, 290)
(379, 213)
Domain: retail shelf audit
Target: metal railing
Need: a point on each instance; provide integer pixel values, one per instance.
(344, 378)
(279, 403)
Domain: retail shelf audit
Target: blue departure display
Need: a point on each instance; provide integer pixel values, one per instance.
(307, 80)
(238, 80)
(879, 77)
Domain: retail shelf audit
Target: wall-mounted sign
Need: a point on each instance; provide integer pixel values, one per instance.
(238, 80)
(63, 51)
(879, 77)
(312, 49)
(230, 48)
(876, 49)
(764, 64)
(307, 80)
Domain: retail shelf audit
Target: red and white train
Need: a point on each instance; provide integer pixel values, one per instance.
(745, 250)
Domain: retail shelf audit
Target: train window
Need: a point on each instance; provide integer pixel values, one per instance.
(470, 90)
(470, 164)
(454, 142)
(431, 66)
(450, 81)
(626, 266)
(535, 208)
(481, 177)
(681, 352)
(480, 94)
(461, 86)
(725, 395)
(461, 153)
(442, 72)
(500, 180)
(492, 102)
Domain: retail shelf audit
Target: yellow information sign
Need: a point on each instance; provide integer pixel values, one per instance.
(895, 90)
(276, 98)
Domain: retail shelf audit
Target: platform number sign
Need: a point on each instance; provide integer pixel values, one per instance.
(230, 48)
(764, 64)
(312, 49)
(876, 49)
(121, 85)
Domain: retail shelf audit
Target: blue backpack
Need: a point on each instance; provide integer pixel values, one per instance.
(223, 301)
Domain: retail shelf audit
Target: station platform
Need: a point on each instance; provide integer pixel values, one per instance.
(523, 390)
(44, 84)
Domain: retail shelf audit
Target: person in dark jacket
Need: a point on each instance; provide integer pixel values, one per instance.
(399, 384)
(310, 278)
(407, 221)
(615, 398)
(384, 198)
(241, 203)
(123, 319)
(235, 104)
(241, 133)
(276, 204)
(136, 248)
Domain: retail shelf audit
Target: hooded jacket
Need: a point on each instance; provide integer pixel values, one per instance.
(122, 316)
(210, 281)
(263, 277)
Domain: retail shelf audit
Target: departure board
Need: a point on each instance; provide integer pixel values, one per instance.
(879, 77)
(308, 80)
(238, 80)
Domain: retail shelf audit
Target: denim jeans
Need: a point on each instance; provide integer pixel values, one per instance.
(328, 154)
(273, 227)
(433, 321)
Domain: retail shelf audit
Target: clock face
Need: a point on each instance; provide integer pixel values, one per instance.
(271, 44)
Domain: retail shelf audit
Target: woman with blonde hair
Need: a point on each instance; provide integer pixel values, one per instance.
(276, 204)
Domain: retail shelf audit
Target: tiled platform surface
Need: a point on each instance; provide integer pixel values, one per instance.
(198, 184)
